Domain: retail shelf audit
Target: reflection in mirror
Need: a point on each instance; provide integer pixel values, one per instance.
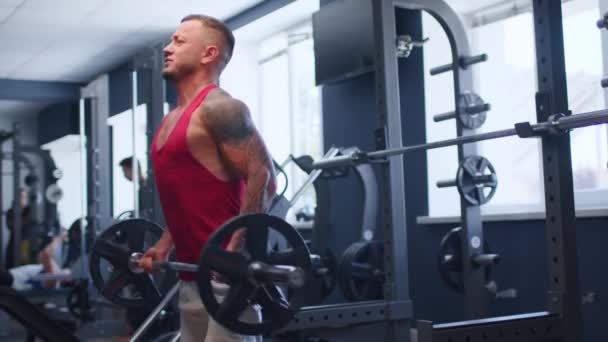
(122, 152)
(65, 151)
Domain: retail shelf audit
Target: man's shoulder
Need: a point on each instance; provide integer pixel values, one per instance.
(225, 115)
(219, 99)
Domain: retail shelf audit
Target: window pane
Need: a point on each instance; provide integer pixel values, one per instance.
(584, 67)
(306, 108)
(508, 82)
(439, 94)
(274, 120)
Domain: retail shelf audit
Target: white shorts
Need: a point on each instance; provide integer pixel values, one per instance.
(197, 326)
(22, 276)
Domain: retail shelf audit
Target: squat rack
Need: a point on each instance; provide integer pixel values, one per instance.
(562, 318)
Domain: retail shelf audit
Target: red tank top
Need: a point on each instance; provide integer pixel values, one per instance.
(195, 202)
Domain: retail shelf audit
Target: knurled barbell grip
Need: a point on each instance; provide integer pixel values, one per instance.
(260, 272)
(176, 266)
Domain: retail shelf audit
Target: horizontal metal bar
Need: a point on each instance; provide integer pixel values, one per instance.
(583, 120)
(475, 109)
(38, 91)
(446, 183)
(177, 266)
(441, 69)
(332, 152)
(463, 62)
(522, 328)
(560, 124)
(444, 116)
(492, 320)
(338, 315)
(467, 61)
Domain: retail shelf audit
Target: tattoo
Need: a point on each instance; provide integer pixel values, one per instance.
(231, 125)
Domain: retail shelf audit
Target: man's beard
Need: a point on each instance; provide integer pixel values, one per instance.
(178, 72)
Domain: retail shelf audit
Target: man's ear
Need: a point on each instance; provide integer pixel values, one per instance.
(211, 54)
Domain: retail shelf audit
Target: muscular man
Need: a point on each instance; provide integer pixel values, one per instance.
(209, 164)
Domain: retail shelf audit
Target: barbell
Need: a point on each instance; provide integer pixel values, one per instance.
(258, 275)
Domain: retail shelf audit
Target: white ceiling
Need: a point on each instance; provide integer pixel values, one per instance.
(75, 40)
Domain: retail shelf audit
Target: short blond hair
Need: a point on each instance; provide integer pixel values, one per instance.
(219, 26)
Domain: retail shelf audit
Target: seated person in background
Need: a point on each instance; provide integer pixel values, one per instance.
(20, 277)
(26, 224)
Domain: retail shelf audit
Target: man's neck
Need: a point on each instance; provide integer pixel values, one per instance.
(190, 85)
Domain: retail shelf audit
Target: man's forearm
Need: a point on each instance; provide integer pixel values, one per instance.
(165, 241)
(258, 193)
(257, 198)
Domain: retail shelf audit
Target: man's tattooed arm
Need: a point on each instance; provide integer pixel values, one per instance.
(244, 152)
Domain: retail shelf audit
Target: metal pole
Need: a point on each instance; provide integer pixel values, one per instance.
(17, 223)
(135, 163)
(152, 317)
(560, 225)
(333, 151)
(83, 184)
(2, 237)
(391, 176)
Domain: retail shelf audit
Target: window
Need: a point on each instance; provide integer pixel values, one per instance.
(584, 67)
(274, 74)
(508, 82)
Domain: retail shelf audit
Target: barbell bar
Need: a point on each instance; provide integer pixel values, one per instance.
(556, 124)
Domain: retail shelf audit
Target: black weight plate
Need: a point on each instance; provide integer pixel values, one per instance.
(472, 191)
(471, 120)
(450, 264)
(278, 309)
(361, 271)
(109, 265)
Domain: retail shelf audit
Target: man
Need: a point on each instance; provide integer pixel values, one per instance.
(145, 207)
(127, 169)
(209, 163)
